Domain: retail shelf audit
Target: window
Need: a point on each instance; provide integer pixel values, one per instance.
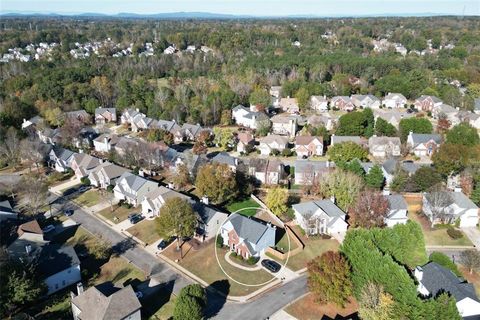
(63, 283)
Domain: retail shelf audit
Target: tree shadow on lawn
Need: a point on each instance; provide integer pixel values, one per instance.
(217, 293)
(153, 302)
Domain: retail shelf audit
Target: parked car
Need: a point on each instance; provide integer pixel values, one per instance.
(48, 228)
(68, 212)
(162, 245)
(134, 218)
(271, 265)
(139, 294)
(83, 188)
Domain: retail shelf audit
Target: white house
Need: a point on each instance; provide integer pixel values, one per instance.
(319, 103)
(248, 118)
(394, 100)
(60, 159)
(105, 142)
(132, 188)
(272, 142)
(366, 101)
(106, 174)
(209, 219)
(384, 147)
(155, 199)
(448, 206)
(434, 279)
(284, 125)
(246, 236)
(423, 144)
(321, 217)
(397, 211)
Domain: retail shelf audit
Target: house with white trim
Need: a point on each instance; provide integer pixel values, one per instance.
(394, 100)
(132, 188)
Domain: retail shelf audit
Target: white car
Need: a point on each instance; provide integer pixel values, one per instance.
(48, 228)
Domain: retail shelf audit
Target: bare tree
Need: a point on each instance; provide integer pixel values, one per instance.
(108, 197)
(33, 151)
(438, 200)
(9, 150)
(369, 210)
(70, 131)
(470, 259)
(34, 193)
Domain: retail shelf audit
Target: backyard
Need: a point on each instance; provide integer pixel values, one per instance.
(247, 203)
(307, 309)
(203, 263)
(436, 236)
(88, 198)
(146, 231)
(118, 214)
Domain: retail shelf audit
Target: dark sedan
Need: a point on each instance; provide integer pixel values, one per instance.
(271, 265)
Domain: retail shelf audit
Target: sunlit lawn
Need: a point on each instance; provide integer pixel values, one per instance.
(119, 212)
(306, 308)
(88, 198)
(145, 230)
(248, 203)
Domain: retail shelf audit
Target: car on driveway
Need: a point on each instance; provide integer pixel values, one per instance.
(48, 228)
(139, 294)
(271, 265)
(83, 188)
(162, 245)
(68, 212)
(134, 218)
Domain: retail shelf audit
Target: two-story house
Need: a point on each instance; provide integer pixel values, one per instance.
(397, 210)
(394, 100)
(105, 115)
(319, 103)
(155, 199)
(248, 118)
(384, 147)
(105, 142)
(106, 174)
(60, 159)
(343, 103)
(132, 188)
(423, 144)
(284, 125)
(308, 172)
(289, 105)
(306, 146)
(272, 142)
(83, 164)
(427, 103)
(265, 171)
(366, 101)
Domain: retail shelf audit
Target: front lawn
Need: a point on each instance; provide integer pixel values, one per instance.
(203, 263)
(248, 203)
(307, 309)
(88, 198)
(118, 214)
(146, 231)
(159, 306)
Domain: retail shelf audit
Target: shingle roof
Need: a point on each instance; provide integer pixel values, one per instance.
(434, 99)
(395, 96)
(97, 305)
(249, 229)
(378, 141)
(206, 213)
(225, 158)
(302, 165)
(54, 259)
(418, 138)
(112, 138)
(340, 139)
(62, 153)
(29, 227)
(274, 138)
(245, 137)
(134, 182)
(437, 279)
(396, 202)
(101, 110)
(5, 206)
(326, 206)
(305, 140)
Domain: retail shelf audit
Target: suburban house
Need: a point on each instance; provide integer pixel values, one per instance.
(78, 115)
(165, 125)
(320, 217)
(49, 136)
(343, 103)
(289, 105)
(272, 142)
(397, 211)
(275, 91)
(105, 175)
(427, 103)
(390, 167)
(30, 125)
(246, 236)
(209, 219)
(392, 116)
(85, 138)
(384, 147)
(366, 101)
(423, 144)
(246, 142)
(155, 199)
(105, 115)
(306, 146)
(355, 139)
(125, 144)
(447, 111)
(266, 171)
(128, 115)
(326, 120)
(471, 118)
(434, 279)
(284, 125)
(140, 123)
(319, 103)
(192, 161)
(60, 159)
(105, 301)
(308, 171)
(83, 164)
(6, 211)
(132, 188)
(225, 158)
(394, 100)
(450, 206)
(250, 119)
(105, 142)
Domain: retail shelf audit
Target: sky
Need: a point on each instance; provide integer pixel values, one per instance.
(247, 7)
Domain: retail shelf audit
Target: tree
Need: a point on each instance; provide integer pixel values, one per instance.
(260, 98)
(383, 128)
(353, 166)
(33, 151)
(217, 182)
(424, 178)
(443, 124)
(329, 278)
(199, 148)
(277, 199)
(399, 180)
(346, 152)
(470, 259)
(445, 261)
(9, 148)
(451, 159)
(177, 218)
(344, 186)
(442, 307)
(197, 291)
(369, 210)
(223, 137)
(182, 178)
(415, 125)
(100, 249)
(463, 134)
(103, 89)
(358, 123)
(302, 97)
(438, 200)
(34, 193)
(375, 303)
(374, 178)
(187, 307)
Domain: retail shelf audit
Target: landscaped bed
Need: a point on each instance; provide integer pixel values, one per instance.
(146, 231)
(118, 214)
(307, 309)
(203, 264)
(248, 203)
(88, 198)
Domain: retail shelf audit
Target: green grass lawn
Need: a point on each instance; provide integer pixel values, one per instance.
(121, 213)
(203, 263)
(88, 198)
(159, 307)
(146, 231)
(244, 204)
(283, 246)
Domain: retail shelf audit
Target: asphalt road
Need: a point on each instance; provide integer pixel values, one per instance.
(218, 308)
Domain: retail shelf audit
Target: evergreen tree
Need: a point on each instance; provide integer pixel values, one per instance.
(374, 178)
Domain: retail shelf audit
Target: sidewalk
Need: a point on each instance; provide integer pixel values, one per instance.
(62, 186)
(282, 315)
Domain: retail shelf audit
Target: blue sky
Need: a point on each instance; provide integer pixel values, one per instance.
(247, 7)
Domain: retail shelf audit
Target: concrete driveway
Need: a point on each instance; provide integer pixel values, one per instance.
(474, 235)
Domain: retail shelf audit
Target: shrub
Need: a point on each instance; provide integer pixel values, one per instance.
(85, 181)
(286, 152)
(454, 233)
(275, 152)
(444, 260)
(219, 241)
(110, 188)
(252, 260)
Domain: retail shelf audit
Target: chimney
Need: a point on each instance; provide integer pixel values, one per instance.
(138, 110)
(24, 120)
(204, 200)
(332, 198)
(80, 150)
(171, 185)
(418, 273)
(79, 288)
(457, 189)
(105, 140)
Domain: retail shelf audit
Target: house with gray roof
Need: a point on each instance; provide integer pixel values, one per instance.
(390, 167)
(225, 158)
(209, 219)
(319, 103)
(154, 200)
(249, 118)
(384, 147)
(397, 210)
(434, 279)
(104, 115)
(6, 211)
(366, 101)
(83, 164)
(105, 301)
(450, 206)
(355, 139)
(60, 159)
(246, 236)
(321, 217)
(266, 171)
(132, 188)
(106, 174)
(78, 115)
(272, 142)
(309, 171)
(394, 100)
(392, 116)
(423, 145)
(105, 142)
